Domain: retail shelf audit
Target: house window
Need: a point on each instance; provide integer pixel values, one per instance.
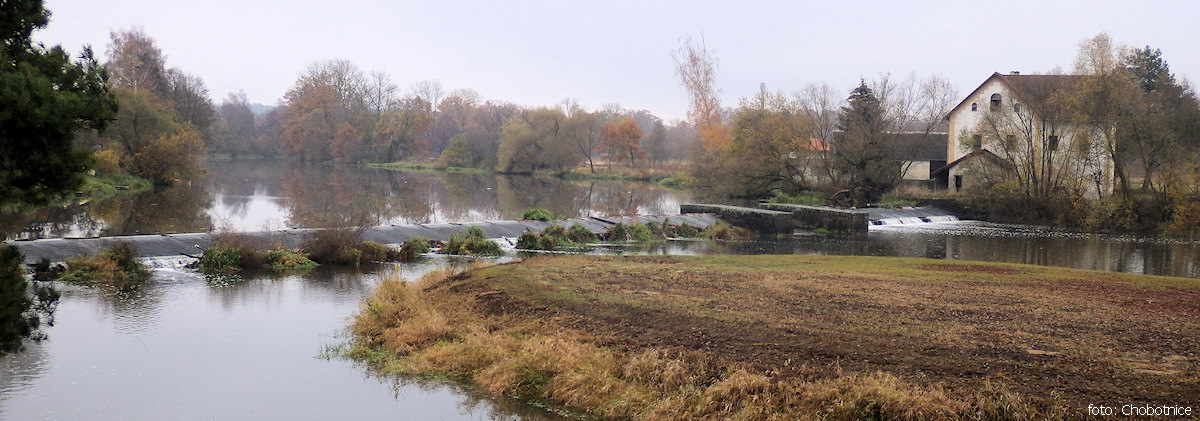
(1010, 141)
(1016, 107)
(976, 141)
(974, 106)
(1052, 142)
(995, 102)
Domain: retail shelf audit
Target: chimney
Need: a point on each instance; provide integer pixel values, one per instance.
(1014, 73)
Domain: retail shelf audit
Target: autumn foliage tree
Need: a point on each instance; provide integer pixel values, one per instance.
(621, 139)
(536, 140)
(771, 151)
(165, 115)
(697, 70)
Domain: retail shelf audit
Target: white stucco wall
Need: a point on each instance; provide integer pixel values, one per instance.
(963, 118)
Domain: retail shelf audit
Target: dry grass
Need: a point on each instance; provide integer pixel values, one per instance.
(794, 337)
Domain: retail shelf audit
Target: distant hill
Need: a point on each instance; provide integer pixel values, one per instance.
(260, 109)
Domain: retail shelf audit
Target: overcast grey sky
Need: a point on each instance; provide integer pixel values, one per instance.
(602, 52)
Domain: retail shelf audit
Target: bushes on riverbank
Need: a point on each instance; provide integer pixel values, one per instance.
(232, 252)
(473, 242)
(116, 267)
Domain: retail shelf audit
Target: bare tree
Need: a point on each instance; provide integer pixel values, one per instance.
(428, 90)
(1102, 98)
(1046, 154)
(821, 104)
(135, 62)
(697, 69)
(380, 92)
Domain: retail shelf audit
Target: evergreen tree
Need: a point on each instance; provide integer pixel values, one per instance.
(44, 99)
(862, 153)
(20, 314)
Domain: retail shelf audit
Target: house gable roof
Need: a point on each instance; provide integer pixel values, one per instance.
(1031, 89)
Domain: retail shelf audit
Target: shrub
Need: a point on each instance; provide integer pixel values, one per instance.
(547, 242)
(371, 251)
(617, 232)
(538, 214)
(473, 243)
(580, 234)
(334, 245)
(412, 249)
(809, 198)
(115, 266)
(686, 231)
(107, 162)
(673, 182)
(285, 259)
(555, 230)
(220, 259)
(527, 241)
(640, 233)
(476, 232)
(719, 231)
(1185, 220)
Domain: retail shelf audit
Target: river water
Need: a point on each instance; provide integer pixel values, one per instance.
(188, 348)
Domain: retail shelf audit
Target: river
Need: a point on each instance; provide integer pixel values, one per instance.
(188, 348)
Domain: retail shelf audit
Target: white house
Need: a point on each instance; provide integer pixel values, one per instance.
(1018, 127)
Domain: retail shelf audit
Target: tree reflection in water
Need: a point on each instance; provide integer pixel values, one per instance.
(249, 195)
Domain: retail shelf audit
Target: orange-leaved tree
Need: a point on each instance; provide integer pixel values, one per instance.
(621, 139)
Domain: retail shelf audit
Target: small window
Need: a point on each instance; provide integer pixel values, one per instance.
(1016, 107)
(1010, 141)
(976, 141)
(995, 101)
(974, 106)
(1052, 142)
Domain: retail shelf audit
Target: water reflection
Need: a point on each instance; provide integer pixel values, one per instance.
(189, 349)
(977, 241)
(253, 195)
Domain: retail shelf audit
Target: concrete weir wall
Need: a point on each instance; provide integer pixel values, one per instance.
(191, 244)
(757, 220)
(781, 218)
(813, 217)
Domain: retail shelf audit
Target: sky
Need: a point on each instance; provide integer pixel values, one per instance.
(604, 52)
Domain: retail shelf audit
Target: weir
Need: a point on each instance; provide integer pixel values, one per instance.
(191, 244)
(781, 218)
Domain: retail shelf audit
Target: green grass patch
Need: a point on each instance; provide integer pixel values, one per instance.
(807, 198)
(539, 214)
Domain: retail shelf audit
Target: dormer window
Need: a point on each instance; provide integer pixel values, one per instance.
(995, 102)
(974, 106)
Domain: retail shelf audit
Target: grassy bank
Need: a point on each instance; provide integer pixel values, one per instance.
(412, 166)
(788, 337)
(103, 187)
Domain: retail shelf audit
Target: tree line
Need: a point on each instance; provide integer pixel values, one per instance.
(337, 112)
(814, 139)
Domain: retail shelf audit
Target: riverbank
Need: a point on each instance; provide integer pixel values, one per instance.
(788, 337)
(669, 176)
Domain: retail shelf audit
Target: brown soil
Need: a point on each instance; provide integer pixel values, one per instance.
(1059, 336)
